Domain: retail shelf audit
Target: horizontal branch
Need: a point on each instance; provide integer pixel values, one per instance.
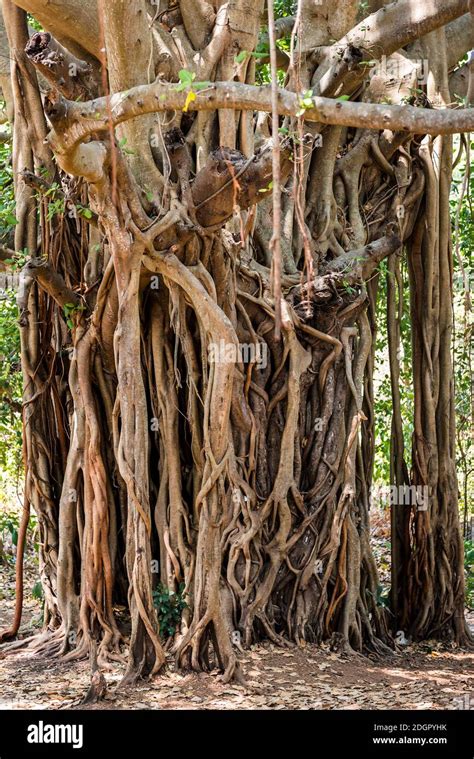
(74, 122)
(74, 23)
(48, 279)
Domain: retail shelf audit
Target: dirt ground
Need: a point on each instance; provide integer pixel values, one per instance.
(425, 676)
(302, 678)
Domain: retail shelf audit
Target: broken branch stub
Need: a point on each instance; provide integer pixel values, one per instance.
(229, 180)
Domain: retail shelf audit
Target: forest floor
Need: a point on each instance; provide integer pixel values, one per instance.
(423, 676)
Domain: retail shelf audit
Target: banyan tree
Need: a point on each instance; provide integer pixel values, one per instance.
(209, 196)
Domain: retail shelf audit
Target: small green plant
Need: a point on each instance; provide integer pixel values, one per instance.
(306, 102)
(267, 188)
(56, 201)
(383, 596)
(84, 210)
(8, 220)
(126, 150)
(416, 97)
(169, 606)
(362, 9)
(17, 262)
(70, 310)
(56, 207)
(34, 23)
(37, 591)
(348, 288)
(9, 524)
(244, 55)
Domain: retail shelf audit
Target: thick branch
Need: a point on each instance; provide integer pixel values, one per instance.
(391, 28)
(323, 21)
(459, 39)
(402, 22)
(75, 122)
(73, 22)
(71, 76)
(130, 61)
(459, 82)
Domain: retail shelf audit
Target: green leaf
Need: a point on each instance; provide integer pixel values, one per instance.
(201, 85)
(186, 79)
(242, 56)
(37, 590)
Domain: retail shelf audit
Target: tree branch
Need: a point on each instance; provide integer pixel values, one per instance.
(459, 82)
(349, 269)
(130, 61)
(73, 22)
(459, 39)
(228, 179)
(74, 122)
(391, 28)
(52, 282)
(357, 265)
(402, 22)
(71, 76)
